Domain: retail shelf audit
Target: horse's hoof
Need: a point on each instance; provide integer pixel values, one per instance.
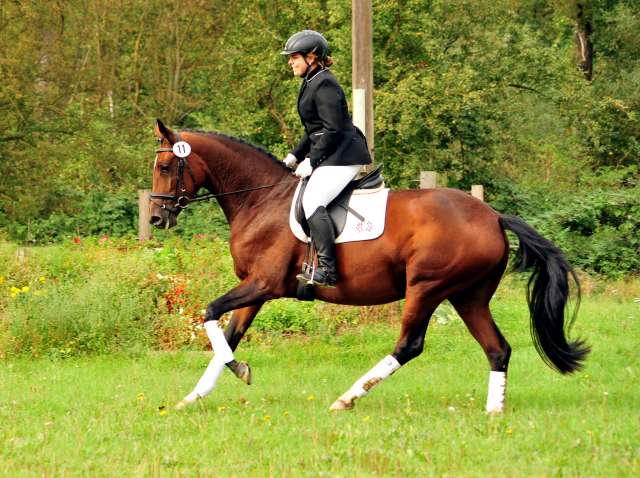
(193, 397)
(340, 404)
(243, 372)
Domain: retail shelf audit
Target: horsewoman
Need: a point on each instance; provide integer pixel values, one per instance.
(331, 152)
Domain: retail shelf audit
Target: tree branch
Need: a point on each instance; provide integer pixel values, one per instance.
(528, 88)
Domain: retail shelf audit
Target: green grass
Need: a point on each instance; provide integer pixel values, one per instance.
(81, 416)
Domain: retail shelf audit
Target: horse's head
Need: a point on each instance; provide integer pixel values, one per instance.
(176, 177)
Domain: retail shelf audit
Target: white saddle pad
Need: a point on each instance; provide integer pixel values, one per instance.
(371, 205)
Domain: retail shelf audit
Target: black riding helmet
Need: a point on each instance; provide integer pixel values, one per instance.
(305, 42)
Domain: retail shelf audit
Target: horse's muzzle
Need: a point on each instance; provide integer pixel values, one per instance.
(162, 218)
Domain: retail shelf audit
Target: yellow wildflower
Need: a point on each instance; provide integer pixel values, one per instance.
(221, 408)
(310, 397)
(266, 417)
(42, 279)
(286, 413)
(163, 412)
(25, 288)
(509, 432)
(366, 418)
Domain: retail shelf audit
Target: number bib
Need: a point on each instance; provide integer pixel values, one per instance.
(181, 149)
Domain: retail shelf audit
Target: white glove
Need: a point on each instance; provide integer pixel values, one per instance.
(304, 169)
(290, 160)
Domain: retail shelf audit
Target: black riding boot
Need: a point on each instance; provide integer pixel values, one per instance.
(324, 237)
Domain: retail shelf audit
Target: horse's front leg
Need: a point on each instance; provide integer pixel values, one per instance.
(240, 321)
(249, 296)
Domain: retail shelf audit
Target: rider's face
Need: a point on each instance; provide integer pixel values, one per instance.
(298, 65)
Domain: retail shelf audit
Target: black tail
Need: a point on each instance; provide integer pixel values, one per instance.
(547, 295)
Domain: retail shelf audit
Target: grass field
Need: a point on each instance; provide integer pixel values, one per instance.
(104, 416)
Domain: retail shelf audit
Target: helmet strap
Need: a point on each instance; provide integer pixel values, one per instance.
(309, 65)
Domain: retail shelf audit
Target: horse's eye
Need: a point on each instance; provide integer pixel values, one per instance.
(164, 167)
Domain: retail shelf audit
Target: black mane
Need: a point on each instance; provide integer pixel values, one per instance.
(259, 149)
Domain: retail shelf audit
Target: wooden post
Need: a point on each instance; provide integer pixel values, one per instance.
(478, 192)
(144, 227)
(362, 60)
(427, 179)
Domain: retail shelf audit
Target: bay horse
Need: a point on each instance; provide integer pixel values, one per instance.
(437, 244)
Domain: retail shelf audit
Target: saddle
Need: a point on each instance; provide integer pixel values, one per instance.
(339, 207)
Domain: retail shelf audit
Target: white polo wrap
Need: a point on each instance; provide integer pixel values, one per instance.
(218, 342)
(373, 377)
(497, 391)
(210, 377)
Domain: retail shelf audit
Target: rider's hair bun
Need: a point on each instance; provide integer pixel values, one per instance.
(328, 61)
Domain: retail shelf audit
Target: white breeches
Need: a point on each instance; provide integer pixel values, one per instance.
(325, 184)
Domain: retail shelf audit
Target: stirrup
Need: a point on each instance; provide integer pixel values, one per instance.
(329, 280)
(305, 278)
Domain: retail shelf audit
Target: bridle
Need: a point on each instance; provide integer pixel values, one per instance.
(183, 201)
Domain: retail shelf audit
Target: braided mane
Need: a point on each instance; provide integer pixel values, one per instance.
(259, 149)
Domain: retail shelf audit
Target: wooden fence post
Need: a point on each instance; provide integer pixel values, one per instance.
(144, 228)
(427, 179)
(478, 192)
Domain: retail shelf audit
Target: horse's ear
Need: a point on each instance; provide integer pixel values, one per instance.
(163, 132)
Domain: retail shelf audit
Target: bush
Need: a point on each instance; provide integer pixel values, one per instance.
(598, 229)
(115, 214)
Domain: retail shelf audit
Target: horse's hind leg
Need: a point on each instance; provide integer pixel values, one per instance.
(415, 318)
(473, 306)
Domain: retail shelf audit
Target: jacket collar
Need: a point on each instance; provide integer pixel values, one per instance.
(314, 73)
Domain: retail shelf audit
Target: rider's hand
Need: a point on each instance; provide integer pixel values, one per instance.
(304, 169)
(290, 160)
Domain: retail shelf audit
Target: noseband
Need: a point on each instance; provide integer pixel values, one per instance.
(183, 201)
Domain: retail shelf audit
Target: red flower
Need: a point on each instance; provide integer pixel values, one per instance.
(76, 240)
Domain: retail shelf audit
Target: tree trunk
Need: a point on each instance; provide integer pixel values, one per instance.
(584, 30)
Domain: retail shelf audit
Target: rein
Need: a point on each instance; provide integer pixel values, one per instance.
(183, 201)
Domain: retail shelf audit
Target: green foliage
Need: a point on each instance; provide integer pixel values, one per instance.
(118, 295)
(287, 315)
(482, 92)
(598, 230)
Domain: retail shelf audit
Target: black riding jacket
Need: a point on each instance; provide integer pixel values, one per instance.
(330, 138)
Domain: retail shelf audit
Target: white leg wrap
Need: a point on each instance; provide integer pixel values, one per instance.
(209, 379)
(218, 342)
(497, 390)
(373, 377)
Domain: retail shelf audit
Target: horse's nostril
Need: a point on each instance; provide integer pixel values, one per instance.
(155, 220)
